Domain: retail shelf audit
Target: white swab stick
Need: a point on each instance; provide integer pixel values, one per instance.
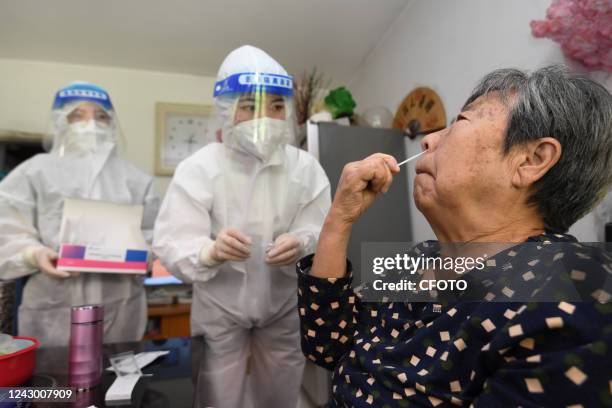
(412, 158)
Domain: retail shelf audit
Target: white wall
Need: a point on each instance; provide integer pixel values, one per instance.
(449, 45)
(27, 89)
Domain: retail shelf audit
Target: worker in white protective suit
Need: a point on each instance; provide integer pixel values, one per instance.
(236, 217)
(83, 163)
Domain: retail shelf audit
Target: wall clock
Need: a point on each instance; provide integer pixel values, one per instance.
(181, 130)
(421, 112)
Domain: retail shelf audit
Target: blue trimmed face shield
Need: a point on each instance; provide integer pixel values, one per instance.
(80, 92)
(254, 82)
(254, 108)
(83, 122)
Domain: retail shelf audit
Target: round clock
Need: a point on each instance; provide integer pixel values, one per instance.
(181, 131)
(420, 113)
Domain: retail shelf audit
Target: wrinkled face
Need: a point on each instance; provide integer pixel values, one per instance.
(464, 167)
(87, 111)
(259, 105)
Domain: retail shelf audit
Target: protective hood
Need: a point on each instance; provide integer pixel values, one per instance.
(254, 103)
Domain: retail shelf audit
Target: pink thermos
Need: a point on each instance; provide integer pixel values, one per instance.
(86, 332)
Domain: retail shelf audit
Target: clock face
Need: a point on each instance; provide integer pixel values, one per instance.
(183, 136)
(180, 131)
(420, 113)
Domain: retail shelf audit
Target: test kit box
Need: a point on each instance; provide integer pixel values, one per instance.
(90, 258)
(103, 237)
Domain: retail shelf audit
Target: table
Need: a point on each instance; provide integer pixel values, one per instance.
(173, 321)
(170, 385)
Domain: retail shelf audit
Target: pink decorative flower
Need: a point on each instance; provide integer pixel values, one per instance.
(583, 28)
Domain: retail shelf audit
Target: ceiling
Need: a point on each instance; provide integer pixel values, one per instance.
(193, 36)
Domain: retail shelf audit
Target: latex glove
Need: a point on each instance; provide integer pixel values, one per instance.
(230, 245)
(287, 250)
(45, 259)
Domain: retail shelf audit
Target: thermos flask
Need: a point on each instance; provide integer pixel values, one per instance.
(85, 354)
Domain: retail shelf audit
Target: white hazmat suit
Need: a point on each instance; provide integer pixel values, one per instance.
(83, 163)
(244, 319)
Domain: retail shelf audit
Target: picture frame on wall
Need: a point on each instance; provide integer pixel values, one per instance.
(180, 130)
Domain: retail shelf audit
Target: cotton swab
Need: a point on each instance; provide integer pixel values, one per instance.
(412, 158)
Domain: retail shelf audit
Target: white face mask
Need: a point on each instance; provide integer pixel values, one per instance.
(261, 137)
(86, 137)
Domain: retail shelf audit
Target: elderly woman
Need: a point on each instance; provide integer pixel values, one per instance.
(527, 157)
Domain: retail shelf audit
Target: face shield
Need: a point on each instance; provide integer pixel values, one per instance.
(83, 122)
(254, 107)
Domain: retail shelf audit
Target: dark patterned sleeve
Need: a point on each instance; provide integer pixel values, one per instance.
(551, 355)
(327, 307)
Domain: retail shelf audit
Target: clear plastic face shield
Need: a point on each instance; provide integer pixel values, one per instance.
(255, 113)
(83, 122)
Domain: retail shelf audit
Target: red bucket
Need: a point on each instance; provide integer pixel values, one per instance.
(17, 368)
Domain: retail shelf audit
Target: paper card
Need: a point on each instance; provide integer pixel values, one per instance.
(145, 358)
(122, 388)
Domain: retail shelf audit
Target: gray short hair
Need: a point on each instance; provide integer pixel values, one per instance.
(577, 112)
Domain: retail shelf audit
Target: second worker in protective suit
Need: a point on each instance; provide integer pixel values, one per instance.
(236, 217)
(84, 164)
